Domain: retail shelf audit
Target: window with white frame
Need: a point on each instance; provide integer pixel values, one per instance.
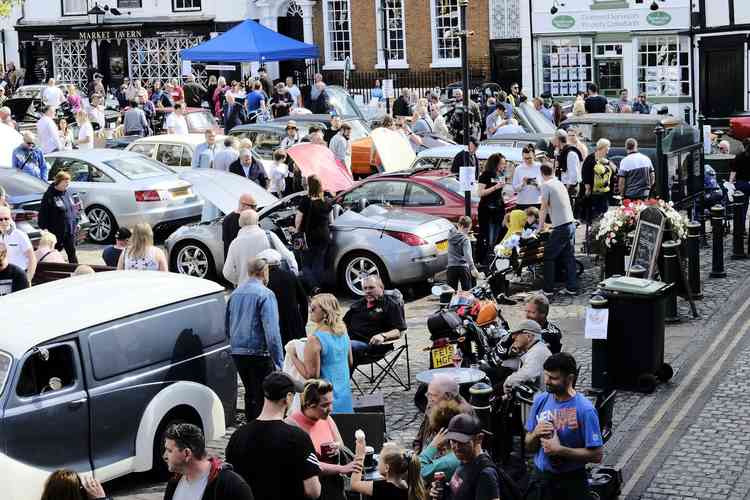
(396, 32)
(178, 5)
(338, 32)
(567, 65)
(446, 20)
(74, 7)
(664, 66)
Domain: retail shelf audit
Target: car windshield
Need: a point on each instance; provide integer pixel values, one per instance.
(451, 184)
(343, 102)
(4, 369)
(21, 184)
(135, 167)
(201, 120)
(534, 121)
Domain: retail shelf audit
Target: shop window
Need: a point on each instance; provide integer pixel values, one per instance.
(338, 32)
(446, 19)
(74, 7)
(394, 18)
(129, 4)
(567, 65)
(186, 5)
(663, 66)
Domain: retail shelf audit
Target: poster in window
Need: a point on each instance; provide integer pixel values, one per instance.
(653, 89)
(564, 88)
(672, 73)
(672, 89)
(563, 59)
(554, 60)
(581, 86)
(582, 74)
(555, 74)
(652, 74)
(563, 74)
(581, 59)
(555, 88)
(117, 67)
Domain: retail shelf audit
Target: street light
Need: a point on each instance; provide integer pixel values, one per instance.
(386, 52)
(96, 14)
(465, 75)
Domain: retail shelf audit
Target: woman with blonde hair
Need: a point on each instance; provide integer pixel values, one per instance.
(46, 251)
(66, 134)
(74, 98)
(400, 471)
(328, 352)
(85, 131)
(579, 107)
(141, 254)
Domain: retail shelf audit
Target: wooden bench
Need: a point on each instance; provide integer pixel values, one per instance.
(529, 254)
(52, 271)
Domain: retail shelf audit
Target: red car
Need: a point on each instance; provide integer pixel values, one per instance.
(433, 192)
(739, 126)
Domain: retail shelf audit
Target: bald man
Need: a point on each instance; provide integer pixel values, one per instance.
(441, 387)
(28, 158)
(230, 226)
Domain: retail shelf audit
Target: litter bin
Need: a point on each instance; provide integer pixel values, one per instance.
(634, 349)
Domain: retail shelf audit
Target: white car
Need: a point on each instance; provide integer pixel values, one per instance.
(170, 149)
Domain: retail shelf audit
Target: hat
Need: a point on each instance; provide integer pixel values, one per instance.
(123, 234)
(291, 124)
(463, 427)
(528, 326)
(270, 255)
(278, 384)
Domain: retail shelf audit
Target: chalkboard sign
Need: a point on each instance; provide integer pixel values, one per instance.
(647, 241)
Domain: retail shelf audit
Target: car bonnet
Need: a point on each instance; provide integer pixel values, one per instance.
(224, 189)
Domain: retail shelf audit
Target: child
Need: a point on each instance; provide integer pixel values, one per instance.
(460, 262)
(279, 173)
(400, 470)
(532, 218)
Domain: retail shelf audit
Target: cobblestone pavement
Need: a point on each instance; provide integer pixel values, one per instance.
(402, 418)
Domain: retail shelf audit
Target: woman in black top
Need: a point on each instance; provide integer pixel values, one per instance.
(312, 220)
(59, 215)
(491, 204)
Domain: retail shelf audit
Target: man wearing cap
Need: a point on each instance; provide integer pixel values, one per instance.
(476, 478)
(111, 254)
(276, 459)
(563, 431)
(292, 135)
(527, 340)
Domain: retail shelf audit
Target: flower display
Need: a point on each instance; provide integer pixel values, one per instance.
(617, 223)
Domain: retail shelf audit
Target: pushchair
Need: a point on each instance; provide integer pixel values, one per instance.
(714, 194)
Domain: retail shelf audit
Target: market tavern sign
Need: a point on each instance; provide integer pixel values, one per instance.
(611, 20)
(109, 35)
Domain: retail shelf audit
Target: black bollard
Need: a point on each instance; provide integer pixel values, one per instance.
(637, 271)
(599, 351)
(480, 395)
(717, 234)
(671, 276)
(738, 226)
(694, 259)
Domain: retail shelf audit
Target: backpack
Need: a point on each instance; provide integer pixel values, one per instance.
(509, 489)
(602, 178)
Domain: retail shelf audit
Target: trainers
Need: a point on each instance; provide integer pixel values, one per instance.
(566, 291)
(548, 293)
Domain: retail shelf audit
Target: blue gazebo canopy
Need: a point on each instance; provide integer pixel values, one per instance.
(249, 42)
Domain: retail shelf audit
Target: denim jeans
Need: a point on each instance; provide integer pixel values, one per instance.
(493, 231)
(561, 247)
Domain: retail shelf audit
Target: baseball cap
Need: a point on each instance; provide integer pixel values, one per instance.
(463, 427)
(123, 234)
(278, 384)
(291, 124)
(270, 255)
(529, 326)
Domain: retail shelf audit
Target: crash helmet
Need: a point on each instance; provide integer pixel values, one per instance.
(487, 313)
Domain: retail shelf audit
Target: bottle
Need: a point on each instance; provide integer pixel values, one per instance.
(439, 479)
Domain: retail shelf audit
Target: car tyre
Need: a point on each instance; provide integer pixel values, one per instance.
(358, 265)
(103, 225)
(193, 259)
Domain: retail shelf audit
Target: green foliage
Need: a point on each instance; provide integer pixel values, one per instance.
(7, 5)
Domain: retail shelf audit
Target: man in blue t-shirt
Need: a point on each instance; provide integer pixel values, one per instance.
(563, 430)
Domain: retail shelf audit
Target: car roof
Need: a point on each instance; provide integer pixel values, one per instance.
(191, 139)
(95, 155)
(483, 152)
(97, 299)
(627, 119)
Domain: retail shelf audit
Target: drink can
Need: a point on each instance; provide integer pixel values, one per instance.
(439, 476)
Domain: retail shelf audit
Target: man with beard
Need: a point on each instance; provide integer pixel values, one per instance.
(563, 430)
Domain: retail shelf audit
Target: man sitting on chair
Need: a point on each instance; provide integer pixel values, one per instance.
(374, 319)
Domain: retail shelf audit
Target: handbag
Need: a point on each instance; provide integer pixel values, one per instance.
(299, 240)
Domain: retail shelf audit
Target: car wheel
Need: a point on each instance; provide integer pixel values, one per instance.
(358, 266)
(194, 259)
(103, 225)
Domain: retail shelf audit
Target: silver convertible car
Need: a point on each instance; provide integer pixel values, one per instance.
(400, 247)
(121, 188)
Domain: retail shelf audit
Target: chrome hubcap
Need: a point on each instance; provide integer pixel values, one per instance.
(193, 261)
(356, 272)
(101, 224)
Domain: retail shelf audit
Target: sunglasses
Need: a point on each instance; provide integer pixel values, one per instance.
(4, 218)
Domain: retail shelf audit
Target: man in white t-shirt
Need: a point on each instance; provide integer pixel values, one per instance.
(560, 246)
(47, 131)
(96, 111)
(85, 131)
(527, 180)
(20, 251)
(52, 95)
(176, 122)
(294, 91)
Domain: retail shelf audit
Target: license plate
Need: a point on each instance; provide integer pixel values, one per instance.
(442, 246)
(442, 356)
(180, 192)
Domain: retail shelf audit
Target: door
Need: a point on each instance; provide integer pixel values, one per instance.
(46, 420)
(506, 62)
(609, 76)
(291, 26)
(722, 68)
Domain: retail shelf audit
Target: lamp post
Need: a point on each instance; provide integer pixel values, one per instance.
(96, 14)
(386, 52)
(463, 4)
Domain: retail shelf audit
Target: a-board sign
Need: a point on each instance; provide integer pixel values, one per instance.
(647, 242)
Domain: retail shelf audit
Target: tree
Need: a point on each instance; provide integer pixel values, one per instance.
(6, 6)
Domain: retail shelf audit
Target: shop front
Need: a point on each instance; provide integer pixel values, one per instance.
(71, 54)
(617, 45)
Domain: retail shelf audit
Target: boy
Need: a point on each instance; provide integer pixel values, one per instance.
(460, 262)
(279, 172)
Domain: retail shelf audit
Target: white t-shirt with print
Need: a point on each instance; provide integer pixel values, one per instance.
(18, 244)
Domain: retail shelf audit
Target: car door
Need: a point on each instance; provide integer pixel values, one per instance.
(170, 154)
(91, 183)
(147, 149)
(424, 200)
(46, 418)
